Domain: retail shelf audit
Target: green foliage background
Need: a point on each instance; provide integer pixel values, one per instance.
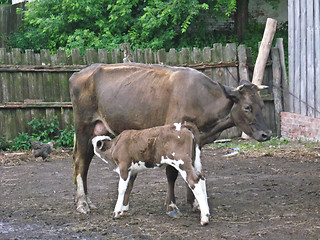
(82, 24)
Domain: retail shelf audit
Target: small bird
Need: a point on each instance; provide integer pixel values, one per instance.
(40, 149)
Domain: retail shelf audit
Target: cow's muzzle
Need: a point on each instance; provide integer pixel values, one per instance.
(262, 136)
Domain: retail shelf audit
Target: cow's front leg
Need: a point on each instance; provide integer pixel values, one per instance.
(172, 209)
(82, 156)
(122, 189)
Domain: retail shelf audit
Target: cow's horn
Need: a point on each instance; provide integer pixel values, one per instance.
(239, 87)
(261, 87)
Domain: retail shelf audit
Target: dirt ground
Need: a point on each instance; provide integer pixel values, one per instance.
(261, 195)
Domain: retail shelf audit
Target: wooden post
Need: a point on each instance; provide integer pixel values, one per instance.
(264, 51)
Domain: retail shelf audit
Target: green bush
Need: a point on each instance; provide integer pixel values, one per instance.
(42, 130)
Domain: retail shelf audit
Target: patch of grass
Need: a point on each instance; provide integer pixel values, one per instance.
(250, 146)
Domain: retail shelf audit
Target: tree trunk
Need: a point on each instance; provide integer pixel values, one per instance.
(241, 21)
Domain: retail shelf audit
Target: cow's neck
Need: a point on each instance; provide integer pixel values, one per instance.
(215, 132)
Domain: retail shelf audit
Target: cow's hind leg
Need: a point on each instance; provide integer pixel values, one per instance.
(172, 209)
(83, 153)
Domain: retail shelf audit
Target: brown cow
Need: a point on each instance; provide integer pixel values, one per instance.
(108, 99)
(135, 150)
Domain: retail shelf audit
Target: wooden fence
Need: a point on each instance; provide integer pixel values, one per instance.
(33, 85)
(304, 57)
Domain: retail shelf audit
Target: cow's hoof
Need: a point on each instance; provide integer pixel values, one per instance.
(117, 215)
(205, 220)
(175, 214)
(91, 205)
(83, 208)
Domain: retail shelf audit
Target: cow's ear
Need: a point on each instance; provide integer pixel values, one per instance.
(230, 92)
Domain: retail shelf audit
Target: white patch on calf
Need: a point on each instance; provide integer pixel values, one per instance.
(200, 193)
(178, 126)
(175, 164)
(122, 187)
(197, 161)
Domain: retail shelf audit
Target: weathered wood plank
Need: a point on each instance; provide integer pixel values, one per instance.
(102, 56)
(45, 57)
(317, 56)
(76, 57)
(310, 57)
(243, 67)
(217, 57)
(148, 56)
(92, 56)
(291, 52)
(161, 56)
(303, 60)
(172, 57)
(231, 73)
(3, 56)
(297, 58)
(276, 70)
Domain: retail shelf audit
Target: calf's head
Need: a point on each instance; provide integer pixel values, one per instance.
(246, 112)
(100, 146)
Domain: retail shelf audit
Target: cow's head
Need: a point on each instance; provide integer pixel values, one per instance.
(246, 112)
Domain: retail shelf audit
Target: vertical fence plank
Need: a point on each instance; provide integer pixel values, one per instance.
(116, 57)
(297, 66)
(243, 63)
(184, 56)
(17, 57)
(207, 59)
(231, 73)
(76, 57)
(3, 56)
(161, 56)
(291, 52)
(45, 57)
(284, 79)
(92, 56)
(172, 58)
(303, 59)
(148, 55)
(196, 56)
(139, 56)
(310, 78)
(317, 56)
(276, 70)
(62, 57)
(102, 56)
(217, 57)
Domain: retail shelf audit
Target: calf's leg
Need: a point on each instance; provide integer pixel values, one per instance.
(172, 209)
(124, 175)
(196, 184)
(128, 191)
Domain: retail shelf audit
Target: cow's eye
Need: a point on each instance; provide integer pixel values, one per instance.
(247, 108)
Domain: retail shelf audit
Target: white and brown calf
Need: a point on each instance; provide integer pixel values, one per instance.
(135, 150)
